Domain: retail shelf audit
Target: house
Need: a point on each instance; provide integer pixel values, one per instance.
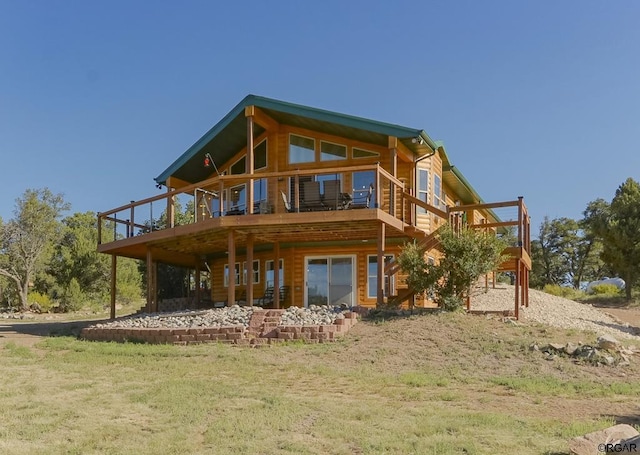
(308, 204)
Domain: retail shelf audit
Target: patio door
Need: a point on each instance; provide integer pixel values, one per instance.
(329, 280)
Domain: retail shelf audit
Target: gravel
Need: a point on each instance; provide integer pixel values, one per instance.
(225, 317)
(554, 311)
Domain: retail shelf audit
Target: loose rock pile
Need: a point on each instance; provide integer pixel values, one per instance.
(225, 317)
(221, 317)
(551, 310)
(607, 351)
(314, 315)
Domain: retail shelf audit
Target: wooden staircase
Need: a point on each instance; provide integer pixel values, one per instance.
(425, 242)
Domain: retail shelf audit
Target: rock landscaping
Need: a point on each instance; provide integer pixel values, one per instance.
(238, 325)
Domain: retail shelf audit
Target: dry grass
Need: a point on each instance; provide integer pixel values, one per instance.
(432, 384)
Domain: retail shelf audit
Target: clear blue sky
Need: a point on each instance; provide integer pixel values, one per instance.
(539, 98)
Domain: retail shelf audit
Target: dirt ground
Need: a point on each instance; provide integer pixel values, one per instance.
(28, 332)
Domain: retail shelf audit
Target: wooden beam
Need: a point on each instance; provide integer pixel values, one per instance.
(249, 269)
(492, 205)
(261, 118)
(114, 269)
(231, 246)
(197, 280)
(249, 160)
(171, 210)
(380, 275)
(149, 306)
(276, 274)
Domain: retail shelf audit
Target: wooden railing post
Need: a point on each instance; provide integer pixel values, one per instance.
(131, 221)
(99, 229)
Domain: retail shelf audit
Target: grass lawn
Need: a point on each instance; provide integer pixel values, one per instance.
(431, 384)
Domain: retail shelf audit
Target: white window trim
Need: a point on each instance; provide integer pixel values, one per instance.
(225, 274)
(315, 151)
(266, 269)
(419, 192)
(374, 154)
(254, 272)
(346, 151)
(392, 283)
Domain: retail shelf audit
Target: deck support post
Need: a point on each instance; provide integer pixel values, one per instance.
(231, 289)
(249, 112)
(197, 293)
(380, 275)
(276, 275)
(171, 210)
(517, 288)
(249, 269)
(152, 304)
(393, 152)
(114, 263)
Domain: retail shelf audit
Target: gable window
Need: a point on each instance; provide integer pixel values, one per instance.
(239, 167)
(423, 188)
(301, 149)
(361, 153)
(330, 151)
(260, 155)
(438, 199)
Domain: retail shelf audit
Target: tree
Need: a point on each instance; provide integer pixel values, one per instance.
(563, 254)
(467, 255)
(618, 227)
(81, 273)
(25, 239)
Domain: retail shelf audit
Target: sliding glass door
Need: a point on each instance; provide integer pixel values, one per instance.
(329, 280)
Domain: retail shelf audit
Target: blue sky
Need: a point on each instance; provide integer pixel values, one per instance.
(539, 99)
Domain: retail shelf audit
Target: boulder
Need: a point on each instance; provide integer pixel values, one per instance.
(588, 444)
(608, 342)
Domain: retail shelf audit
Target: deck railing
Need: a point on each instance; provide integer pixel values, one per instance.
(227, 195)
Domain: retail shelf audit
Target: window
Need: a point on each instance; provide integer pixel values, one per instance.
(423, 188)
(330, 152)
(260, 155)
(239, 167)
(269, 274)
(361, 153)
(237, 274)
(256, 272)
(438, 199)
(301, 149)
(372, 277)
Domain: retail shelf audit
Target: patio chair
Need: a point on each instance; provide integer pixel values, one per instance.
(287, 206)
(332, 198)
(311, 196)
(363, 201)
(267, 299)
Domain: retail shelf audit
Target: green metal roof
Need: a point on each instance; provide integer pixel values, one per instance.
(229, 135)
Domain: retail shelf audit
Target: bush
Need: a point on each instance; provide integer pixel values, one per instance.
(604, 289)
(562, 291)
(42, 300)
(73, 297)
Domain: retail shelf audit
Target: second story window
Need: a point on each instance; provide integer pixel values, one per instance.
(301, 149)
(330, 151)
(423, 188)
(438, 199)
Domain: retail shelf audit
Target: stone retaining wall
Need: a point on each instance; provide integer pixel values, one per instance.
(263, 329)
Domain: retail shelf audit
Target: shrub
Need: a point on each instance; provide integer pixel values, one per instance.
(467, 255)
(42, 300)
(604, 289)
(563, 291)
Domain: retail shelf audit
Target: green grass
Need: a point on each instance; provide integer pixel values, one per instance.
(439, 384)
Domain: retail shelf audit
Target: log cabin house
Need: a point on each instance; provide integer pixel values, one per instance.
(306, 205)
